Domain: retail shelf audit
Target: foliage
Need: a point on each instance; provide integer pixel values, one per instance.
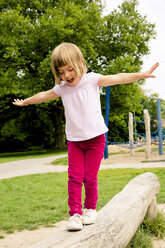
(162, 109)
(29, 32)
(125, 38)
(21, 126)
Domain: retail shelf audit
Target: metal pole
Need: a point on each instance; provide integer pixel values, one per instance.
(107, 109)
(159, 128)
(135, 125)
(131, 133)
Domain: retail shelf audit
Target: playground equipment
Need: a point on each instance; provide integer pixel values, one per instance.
(117, 221)
(158, 132)
(159, 128)
(147, 135)
(131, 133)
(107, 109)
(148, 131)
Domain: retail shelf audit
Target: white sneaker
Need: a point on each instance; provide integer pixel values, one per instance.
(75, 223)
(89, 216)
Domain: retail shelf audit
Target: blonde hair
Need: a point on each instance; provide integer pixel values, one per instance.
(64, 54)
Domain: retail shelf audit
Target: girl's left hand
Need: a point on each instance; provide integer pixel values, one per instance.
(148, 74)
(19, 102)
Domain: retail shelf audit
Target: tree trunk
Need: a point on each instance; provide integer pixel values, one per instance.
(58, 119)
(59, 129)
(117, 221)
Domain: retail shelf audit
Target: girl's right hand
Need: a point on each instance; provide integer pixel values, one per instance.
(37, 98)
(19, 102)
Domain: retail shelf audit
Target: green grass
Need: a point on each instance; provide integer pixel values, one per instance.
(148, 229)
(111, 182)
(156, 227)
(8, 157)
(116, 153)
(140, 240)
(40, 200)
(60, 161)
(31, 201)
(152, 150)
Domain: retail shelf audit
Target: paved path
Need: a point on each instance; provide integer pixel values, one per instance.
(30, 166)
(43, 165)
(133, 165)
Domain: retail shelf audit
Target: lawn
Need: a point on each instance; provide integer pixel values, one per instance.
(8, 157)
(31, 201)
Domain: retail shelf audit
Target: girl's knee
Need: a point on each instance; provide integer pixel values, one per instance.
(75, 179)
(90, 182)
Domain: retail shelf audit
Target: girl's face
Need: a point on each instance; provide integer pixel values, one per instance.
(69, 75)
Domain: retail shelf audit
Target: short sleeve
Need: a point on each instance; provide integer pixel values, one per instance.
(57, 90)
(94, 78)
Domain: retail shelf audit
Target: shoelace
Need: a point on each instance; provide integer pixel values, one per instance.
(76, 217)
(87, 212)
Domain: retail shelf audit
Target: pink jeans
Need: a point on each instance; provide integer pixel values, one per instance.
(84, 158)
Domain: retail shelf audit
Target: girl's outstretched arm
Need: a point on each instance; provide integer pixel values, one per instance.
(38, 98)
(125, 78)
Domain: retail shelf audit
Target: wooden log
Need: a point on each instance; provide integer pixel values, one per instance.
(117, 221)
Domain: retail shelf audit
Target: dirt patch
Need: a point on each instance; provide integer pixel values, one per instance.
(125, 156)
(26, 238)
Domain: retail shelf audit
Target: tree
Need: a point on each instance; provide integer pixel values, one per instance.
(162, 109)
(125, 36)
(29, 32)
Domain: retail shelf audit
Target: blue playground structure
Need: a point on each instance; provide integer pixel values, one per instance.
(107, 110)
(158, 133)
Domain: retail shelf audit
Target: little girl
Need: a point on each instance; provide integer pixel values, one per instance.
(85, 127)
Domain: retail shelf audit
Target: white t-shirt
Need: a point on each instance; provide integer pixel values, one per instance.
(82, 106)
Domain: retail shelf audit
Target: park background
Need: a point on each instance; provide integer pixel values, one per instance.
(112, 41)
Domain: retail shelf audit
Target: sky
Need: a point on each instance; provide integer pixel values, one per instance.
(155, 12)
